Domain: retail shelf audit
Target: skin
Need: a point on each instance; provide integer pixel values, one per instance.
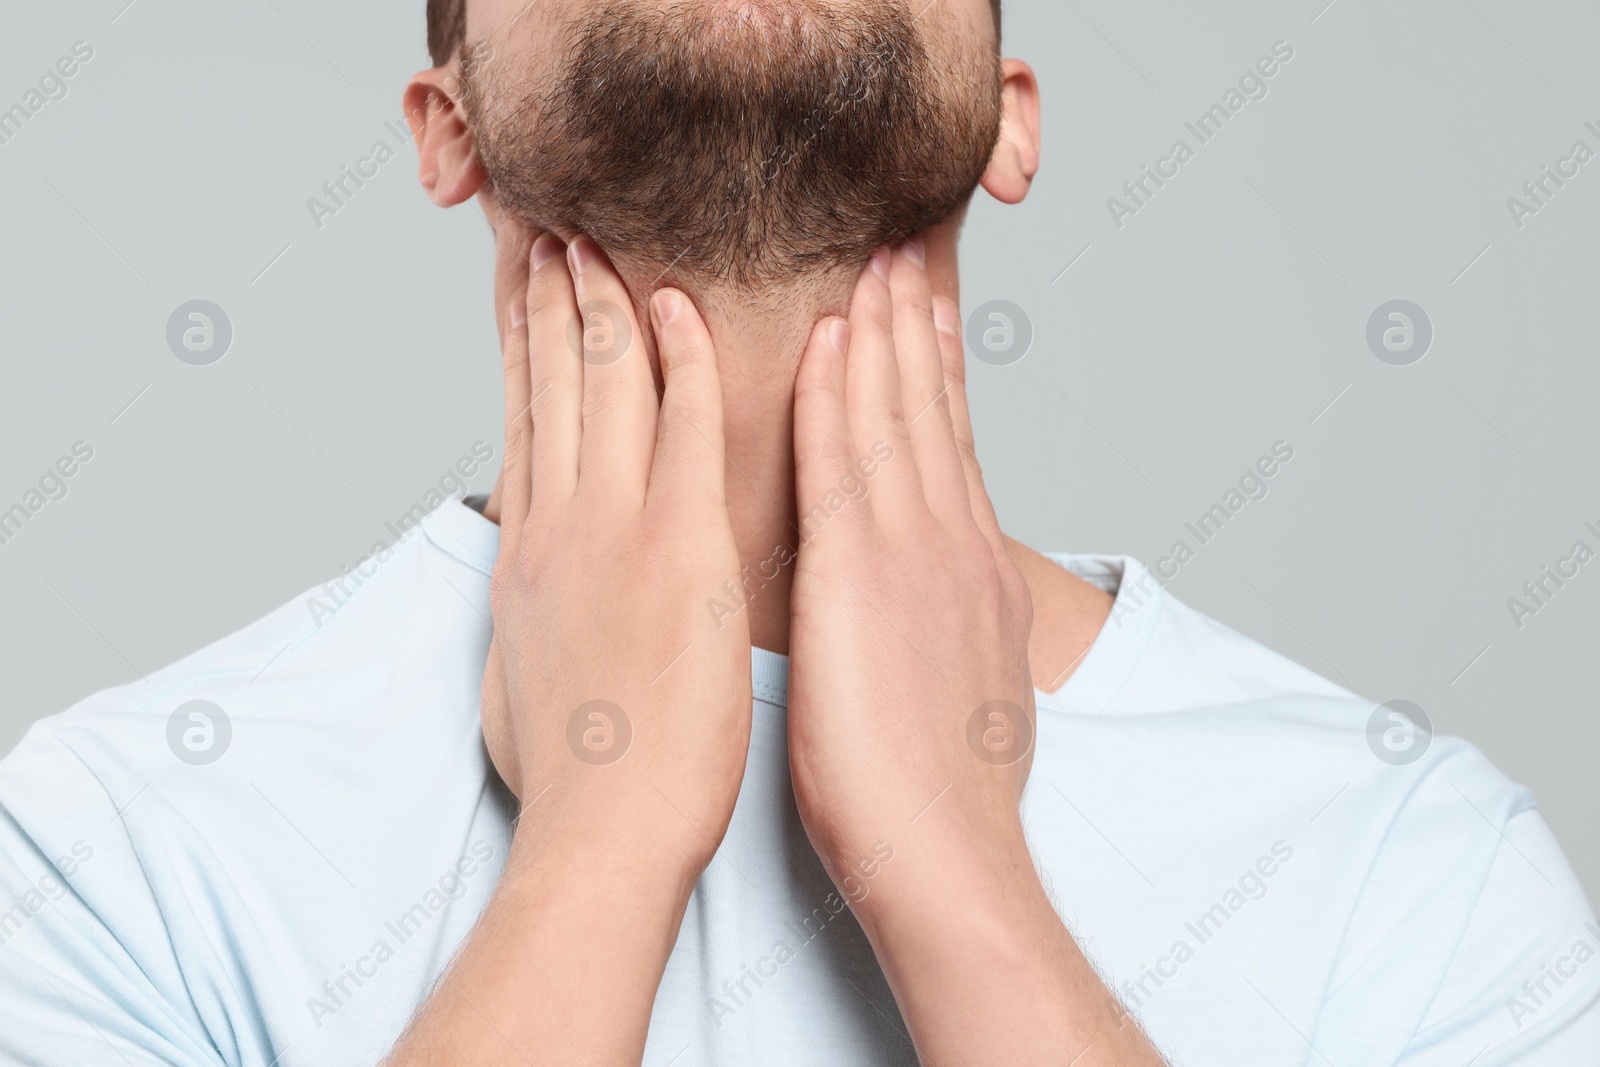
(760, 338)
(909, 617)
(633, 488)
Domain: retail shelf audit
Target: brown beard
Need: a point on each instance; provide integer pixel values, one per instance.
(738, 150)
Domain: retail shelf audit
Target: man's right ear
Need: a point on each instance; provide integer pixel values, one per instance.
(447, 153)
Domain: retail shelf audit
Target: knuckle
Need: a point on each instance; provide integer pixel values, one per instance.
(685, 504)
(603, 401)
(813, 392)
(1022, 607)
(547, 293)
(881, 316)
(503, 586)
(670, 544)
(917, 302)
(543, 397)
(823, 464)
(686, 356)
(690, 406)
(890, 413)
(955, 367)
(513, 356)
(991, 596)
(657, 545)
(516, 445)
(969, 458)
(937, 403)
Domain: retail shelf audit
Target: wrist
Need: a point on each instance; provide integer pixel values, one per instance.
(632, 853)
(984, 970)
(982, 877)
(621, 903)
(568, 956)
(946, 923)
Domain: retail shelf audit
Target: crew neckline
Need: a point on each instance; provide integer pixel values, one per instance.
(458, 528)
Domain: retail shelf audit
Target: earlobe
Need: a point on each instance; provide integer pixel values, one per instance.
(1016, 155)
(447, 154)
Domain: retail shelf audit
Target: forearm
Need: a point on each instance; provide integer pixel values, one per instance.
(983, 969)
(564, 964)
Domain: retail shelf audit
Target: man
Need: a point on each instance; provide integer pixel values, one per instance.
(551, 792)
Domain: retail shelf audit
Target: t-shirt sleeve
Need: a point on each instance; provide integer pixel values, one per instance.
(69, 992)
(1524, 985)
(88, 969)
(1472, 941)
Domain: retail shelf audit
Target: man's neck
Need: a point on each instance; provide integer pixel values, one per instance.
(759, 343)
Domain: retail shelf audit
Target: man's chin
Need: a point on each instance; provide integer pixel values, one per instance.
(743, 147)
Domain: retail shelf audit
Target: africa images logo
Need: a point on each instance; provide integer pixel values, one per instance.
(1399, 333)
(199, 733)
(199, 333)
(599, 733)
(999, 733)
(1399, 732)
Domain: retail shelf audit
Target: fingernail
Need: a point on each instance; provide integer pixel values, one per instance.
(914, 252)
(946, 316)
(519, 314)
(583, 253)
(880, 263)
(839, 335)
(546, 248)
(668, 303)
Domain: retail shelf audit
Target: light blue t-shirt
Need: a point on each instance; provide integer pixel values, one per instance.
(283, 883)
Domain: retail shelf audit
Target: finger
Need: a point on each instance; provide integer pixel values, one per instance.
(690, 455)
(619, 393)
(923, 389)
(516, 471)
(873, 398)
(825, 452)
(555, 402)
(947, 323)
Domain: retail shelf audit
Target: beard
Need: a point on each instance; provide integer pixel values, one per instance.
(742, 145)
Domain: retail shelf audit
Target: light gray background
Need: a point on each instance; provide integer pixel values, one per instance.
(1228, 314)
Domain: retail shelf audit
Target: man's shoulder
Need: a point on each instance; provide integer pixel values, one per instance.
(425, 590)
(1377, 882)
(1203, 724)
(1197, 694)
(374, 672)
(1155, 654)
(284, 792)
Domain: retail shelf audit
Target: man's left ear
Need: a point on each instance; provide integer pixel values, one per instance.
(1016, 156)
(447, 153)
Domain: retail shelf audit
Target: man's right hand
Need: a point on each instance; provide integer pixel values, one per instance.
(618, 715)
(609, 706)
